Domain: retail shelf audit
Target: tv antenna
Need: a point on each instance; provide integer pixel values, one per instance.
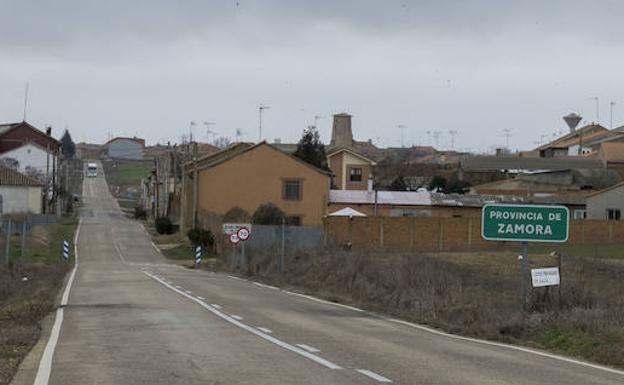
(507, 135)
(316, 119)
(597, 99)
(191, 125)
(436, 138)
(402, 128)
(452, 133)
(239, 134)
(611, 105)
(209, 131)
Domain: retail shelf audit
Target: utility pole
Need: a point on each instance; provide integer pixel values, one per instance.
(597, 99)
(452, 133)
(191, 125)
(436, 138)
(611, 105)
(402, 128)
(260, 109)
(239, 134)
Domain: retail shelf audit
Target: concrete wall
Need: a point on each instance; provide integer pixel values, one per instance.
(444, 234)
(125, 149)
(598, 204)
(21, 199)
(256, 177)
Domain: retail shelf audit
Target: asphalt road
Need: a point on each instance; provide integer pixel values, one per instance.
(132, 318)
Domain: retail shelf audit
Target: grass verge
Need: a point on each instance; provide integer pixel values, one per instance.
(28, 288)
(474, 294)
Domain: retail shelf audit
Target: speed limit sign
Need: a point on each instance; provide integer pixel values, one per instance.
(243, 234)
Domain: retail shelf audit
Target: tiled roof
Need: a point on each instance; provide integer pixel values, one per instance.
(588, 132)
(10, 177)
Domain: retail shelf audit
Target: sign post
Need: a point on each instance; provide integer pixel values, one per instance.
(238, 233)
(525, 223)
(198, 255)
(65, 250)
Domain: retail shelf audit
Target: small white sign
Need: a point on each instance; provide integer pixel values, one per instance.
(234, 238)
(232, 228)
(548, 276)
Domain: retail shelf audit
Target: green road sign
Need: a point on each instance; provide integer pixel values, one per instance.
(527, 223)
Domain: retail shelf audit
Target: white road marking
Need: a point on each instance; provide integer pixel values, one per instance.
(236, 278)
(156, 247)
(373, 375)
(188, 292)
(265, 336)
(308, 348)
(45, 365)
(178, 287)
(236, 317)
(215, 306)
(265, 330)
(323, 301)
(266, 286)
(202, 298)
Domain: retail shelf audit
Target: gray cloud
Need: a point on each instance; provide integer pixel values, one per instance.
(148, 67)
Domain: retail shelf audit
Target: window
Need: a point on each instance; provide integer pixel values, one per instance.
(291, 190)
(293, 220)
(355, 175)
(613, 214)
(580, 214)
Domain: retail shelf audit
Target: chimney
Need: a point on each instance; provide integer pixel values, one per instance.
(342, 136)
(369, 185)
(49, 130)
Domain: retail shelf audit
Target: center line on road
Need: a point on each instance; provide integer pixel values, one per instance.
(265, 336)
(373, 375)
(188, 292)
(236, 317)
(215, 306)
(308, 348)
(268, 331)
(202, 298)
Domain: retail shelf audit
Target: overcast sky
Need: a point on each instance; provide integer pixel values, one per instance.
(149, 67)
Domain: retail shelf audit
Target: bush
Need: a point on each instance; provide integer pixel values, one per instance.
(268, 214)
(235, 214)
(163, 225)
(202, 237)
(140, 213)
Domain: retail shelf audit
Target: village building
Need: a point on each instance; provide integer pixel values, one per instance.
(248, 176)
(19, 193)
(29, 150)
(607, 203)
(125, 148)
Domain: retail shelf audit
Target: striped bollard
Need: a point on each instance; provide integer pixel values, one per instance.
(65, 251)
(198, 254)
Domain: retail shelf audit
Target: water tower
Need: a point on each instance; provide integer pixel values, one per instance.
(572, 120)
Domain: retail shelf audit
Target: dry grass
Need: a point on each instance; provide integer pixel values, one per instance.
(28, 287)
(474, 294)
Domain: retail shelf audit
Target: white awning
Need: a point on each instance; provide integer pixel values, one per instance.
(347, 212)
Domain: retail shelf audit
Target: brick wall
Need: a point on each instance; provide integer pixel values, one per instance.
(445, 234)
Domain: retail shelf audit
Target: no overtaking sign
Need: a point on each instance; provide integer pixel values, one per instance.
(526, 223)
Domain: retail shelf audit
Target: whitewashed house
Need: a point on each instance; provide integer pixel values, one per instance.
(19, 193)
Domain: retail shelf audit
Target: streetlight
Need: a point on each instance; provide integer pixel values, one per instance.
(260, 109)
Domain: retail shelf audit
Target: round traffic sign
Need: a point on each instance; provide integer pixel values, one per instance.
(243, 233)
(234, 239)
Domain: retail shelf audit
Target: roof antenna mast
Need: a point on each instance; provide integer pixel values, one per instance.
(25, 102)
